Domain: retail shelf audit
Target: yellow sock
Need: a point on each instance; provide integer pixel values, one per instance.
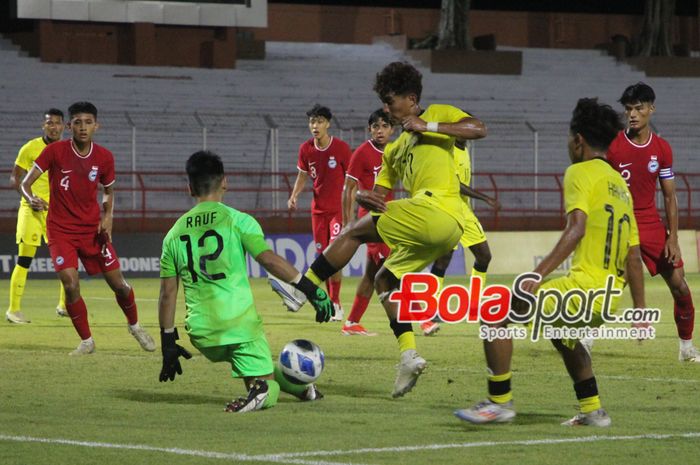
(61, 296)
(499, 388)
(17, 282)
(589, 404)
(312, 276)
(482, 275)
(407, 341)
(441, 282)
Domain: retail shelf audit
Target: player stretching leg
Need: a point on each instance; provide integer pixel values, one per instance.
(364, 167)
(418, 229)
(205, 249)
(325, 160)
(596, 196)
(642, 157)
(31, 224)
(75, 229)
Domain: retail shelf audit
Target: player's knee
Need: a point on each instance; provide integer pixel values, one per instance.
(72, 288)
(680, 290)
(482, 259)
(385, 281)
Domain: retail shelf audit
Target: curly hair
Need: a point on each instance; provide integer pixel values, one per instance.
(398, 78)
(597, 123)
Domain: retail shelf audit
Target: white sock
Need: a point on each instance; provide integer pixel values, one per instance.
(88, 340)
(135, 326)
(686, 344)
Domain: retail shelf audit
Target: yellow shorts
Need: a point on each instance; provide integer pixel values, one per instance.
(31, 226)
(473, 232)
(566, 283)
(418, 232)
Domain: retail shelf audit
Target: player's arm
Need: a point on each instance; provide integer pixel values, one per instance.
(570, 237)
(373, 200)
(475, 194)
(167, 302)
(18, 173)
(299, 185)
(37, 203)
(672, 250)
(349, 192)
(107, 212)
(467, 128)
(635, 276)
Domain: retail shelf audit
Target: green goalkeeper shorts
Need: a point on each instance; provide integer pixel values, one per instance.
(247, 359)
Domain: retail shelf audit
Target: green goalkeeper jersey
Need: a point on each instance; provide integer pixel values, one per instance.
(206, 250)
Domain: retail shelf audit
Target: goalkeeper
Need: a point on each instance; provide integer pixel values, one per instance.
(205, 249)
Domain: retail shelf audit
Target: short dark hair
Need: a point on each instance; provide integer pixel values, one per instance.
(82, 107)
(54, 112)
(205, 170)
(320, 110)
(598, 123)
(638, 92)
(378, 115)
(398, 78)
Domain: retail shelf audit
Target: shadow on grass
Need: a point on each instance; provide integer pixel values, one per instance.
(142, 395)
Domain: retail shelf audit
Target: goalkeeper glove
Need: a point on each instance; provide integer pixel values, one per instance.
(323, 305)
(171, 355)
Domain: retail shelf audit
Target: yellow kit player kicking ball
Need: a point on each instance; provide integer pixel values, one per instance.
(602, 233)
(205, 249)
(31, 224)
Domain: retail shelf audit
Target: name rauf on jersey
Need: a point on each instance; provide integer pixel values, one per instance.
(93, 174)
(200, 219)
(618, 192)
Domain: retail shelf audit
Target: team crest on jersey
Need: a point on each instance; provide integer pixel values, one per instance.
(59, 260)
(93, 174)
(653, 165)
(332, 163)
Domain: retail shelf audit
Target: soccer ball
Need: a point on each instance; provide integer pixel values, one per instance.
(301, 361)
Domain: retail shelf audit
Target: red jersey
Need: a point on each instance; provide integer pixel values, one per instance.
(641, 166)
(364, 166)
(73, 179)
(327, 168)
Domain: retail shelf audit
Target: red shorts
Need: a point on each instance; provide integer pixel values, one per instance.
(96, 258)
(652, 240)
(377, 252)
(326, 227)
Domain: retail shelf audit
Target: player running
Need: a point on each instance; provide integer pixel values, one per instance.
(602, 233)
(325, 160)
(642, 157)
(74, 225)
(31, 224)
(205, 249)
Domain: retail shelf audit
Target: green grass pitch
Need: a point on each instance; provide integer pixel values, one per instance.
(108, 408)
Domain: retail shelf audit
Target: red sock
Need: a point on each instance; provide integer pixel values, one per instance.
(684, 314)
(128, 306)
(79, 317)
(334, 290)
(358, 308)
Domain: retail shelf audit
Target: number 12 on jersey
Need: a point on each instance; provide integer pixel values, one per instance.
(203, 258)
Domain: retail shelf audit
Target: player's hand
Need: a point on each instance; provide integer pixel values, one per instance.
(672, 251)
(414, 124)
(292, 204)
(106, 228)
(371, 200)
(171, 355)
(640, 325)
(318, 298)
(38, 204)
(494, 203)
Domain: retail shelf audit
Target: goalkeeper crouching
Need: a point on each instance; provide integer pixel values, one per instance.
(205, 250)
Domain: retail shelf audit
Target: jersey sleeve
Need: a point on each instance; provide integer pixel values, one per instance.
(302, 162)
(356, 165)
(24, 160)
(168, 269)
(387, 176)
(666, 162)
(252, 236)
(107, 176)
(450, 114)
(44, 161)
(576, 191)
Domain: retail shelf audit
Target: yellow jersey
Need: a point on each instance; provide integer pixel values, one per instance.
(595, 188)
(25, 160)
(425, 163)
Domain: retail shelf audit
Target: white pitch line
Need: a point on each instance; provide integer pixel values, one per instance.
(465, 445)
(171, 450)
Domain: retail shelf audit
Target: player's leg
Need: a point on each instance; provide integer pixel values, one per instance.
(333, 225)
(683, 312)
(61, 307)
(107, 262)
(77, 310)
(18, 282)
(364, 291)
